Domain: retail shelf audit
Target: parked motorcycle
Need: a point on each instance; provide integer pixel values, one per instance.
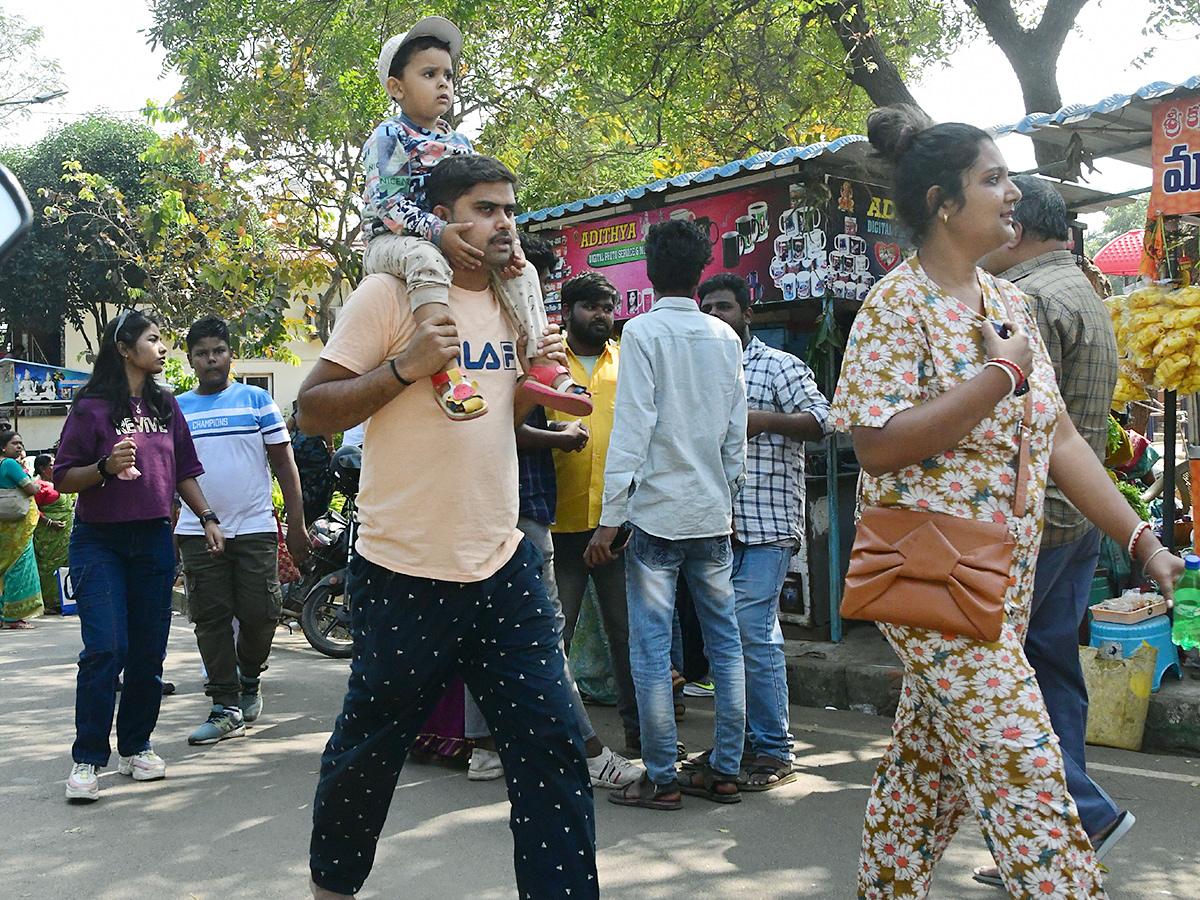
(318, 599)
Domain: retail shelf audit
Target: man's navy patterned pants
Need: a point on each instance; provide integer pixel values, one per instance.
(411, 637)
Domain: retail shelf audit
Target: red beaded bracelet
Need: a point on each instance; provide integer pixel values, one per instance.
(1136, 536)
(1012, 366)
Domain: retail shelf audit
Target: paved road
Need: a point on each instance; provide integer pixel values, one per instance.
(231, 821)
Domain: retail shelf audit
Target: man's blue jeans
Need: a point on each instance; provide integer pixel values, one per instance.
(1060, 598)
(652, 566)
(122, 573)
(758, 574)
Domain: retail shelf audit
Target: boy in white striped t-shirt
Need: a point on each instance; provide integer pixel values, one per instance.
(237, 430)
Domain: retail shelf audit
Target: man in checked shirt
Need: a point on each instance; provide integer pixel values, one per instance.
(785, 410)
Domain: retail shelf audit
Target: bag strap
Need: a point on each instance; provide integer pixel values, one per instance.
(1023, 458)
(278, 526)
(1019, 496)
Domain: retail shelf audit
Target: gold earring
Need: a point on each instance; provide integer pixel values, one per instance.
(945, 218)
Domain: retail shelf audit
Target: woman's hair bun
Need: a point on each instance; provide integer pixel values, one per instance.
(892, 129)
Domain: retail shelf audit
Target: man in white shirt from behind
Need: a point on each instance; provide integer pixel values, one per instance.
(675, 460)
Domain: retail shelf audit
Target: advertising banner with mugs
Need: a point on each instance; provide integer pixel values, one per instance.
(791, 243)
(1175, 150)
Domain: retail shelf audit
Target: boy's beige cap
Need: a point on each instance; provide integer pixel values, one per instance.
(431, 26)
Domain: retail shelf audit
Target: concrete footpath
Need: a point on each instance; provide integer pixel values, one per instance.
(863, 673)
(233, 820)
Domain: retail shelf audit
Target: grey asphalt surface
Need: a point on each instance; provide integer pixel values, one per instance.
(232, 820)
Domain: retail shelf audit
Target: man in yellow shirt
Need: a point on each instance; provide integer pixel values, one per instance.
(588, 303)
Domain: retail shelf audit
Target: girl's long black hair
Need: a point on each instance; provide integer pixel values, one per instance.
(108, 380)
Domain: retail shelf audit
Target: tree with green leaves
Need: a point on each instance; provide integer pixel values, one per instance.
(578, 97)
(1117, 221)
(126, 218)
(1030, 33)
(24, 71)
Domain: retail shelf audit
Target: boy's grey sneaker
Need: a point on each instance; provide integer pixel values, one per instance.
(82, 783)
(223, 722)
(251, 700)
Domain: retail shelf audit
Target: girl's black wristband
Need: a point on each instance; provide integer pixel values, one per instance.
(104, 476)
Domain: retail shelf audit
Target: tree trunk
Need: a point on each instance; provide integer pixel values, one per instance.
(1033, 56)
(866, 58)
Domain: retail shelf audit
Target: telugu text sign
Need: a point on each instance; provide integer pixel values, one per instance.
(1175, 147)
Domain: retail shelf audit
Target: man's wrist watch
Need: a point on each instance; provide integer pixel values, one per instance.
(209, 516)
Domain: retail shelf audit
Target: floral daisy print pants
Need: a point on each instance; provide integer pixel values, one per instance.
(972, 733)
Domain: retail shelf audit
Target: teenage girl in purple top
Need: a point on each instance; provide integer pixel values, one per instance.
(125, 450)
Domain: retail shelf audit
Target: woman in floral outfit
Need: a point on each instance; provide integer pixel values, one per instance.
(927, 391)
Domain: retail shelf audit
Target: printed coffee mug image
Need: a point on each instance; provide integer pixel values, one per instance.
(647, 299)
(758, 212)
(803, 285)
(850, 243)
(810, 216)
(683, 214)
(730, 249)
(705, 224)
(851, 225)
(783, 247)
(794, 264)
(745, 230)
(818, 283)
(814, 241)
(788, 286)
(795, 194)
(839, 287)
(791, 223)
(862, 264)
(777, 270)
(631, 303)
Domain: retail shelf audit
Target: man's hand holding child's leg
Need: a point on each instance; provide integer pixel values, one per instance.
(459, 399)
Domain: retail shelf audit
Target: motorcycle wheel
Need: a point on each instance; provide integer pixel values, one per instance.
(326, 622)
(295, 593)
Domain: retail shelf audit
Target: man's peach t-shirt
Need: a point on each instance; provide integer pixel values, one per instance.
(438, 497)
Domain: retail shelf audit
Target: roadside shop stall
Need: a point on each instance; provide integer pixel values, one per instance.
(1157, 128)
(811, 230)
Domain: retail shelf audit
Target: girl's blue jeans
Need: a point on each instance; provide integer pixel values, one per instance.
(122, 574)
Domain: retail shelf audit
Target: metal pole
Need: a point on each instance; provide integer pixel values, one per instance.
(1168, 491)
(831, 498)
(1191, 406)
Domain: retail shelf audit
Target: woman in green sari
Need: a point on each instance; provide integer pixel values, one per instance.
(53, 532)
(21, 596)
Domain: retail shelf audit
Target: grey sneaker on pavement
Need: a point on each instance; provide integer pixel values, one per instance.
(223, 722)
(144, 766)
(251, 699)
(612, 771)
(82, 783)
(485, 765)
